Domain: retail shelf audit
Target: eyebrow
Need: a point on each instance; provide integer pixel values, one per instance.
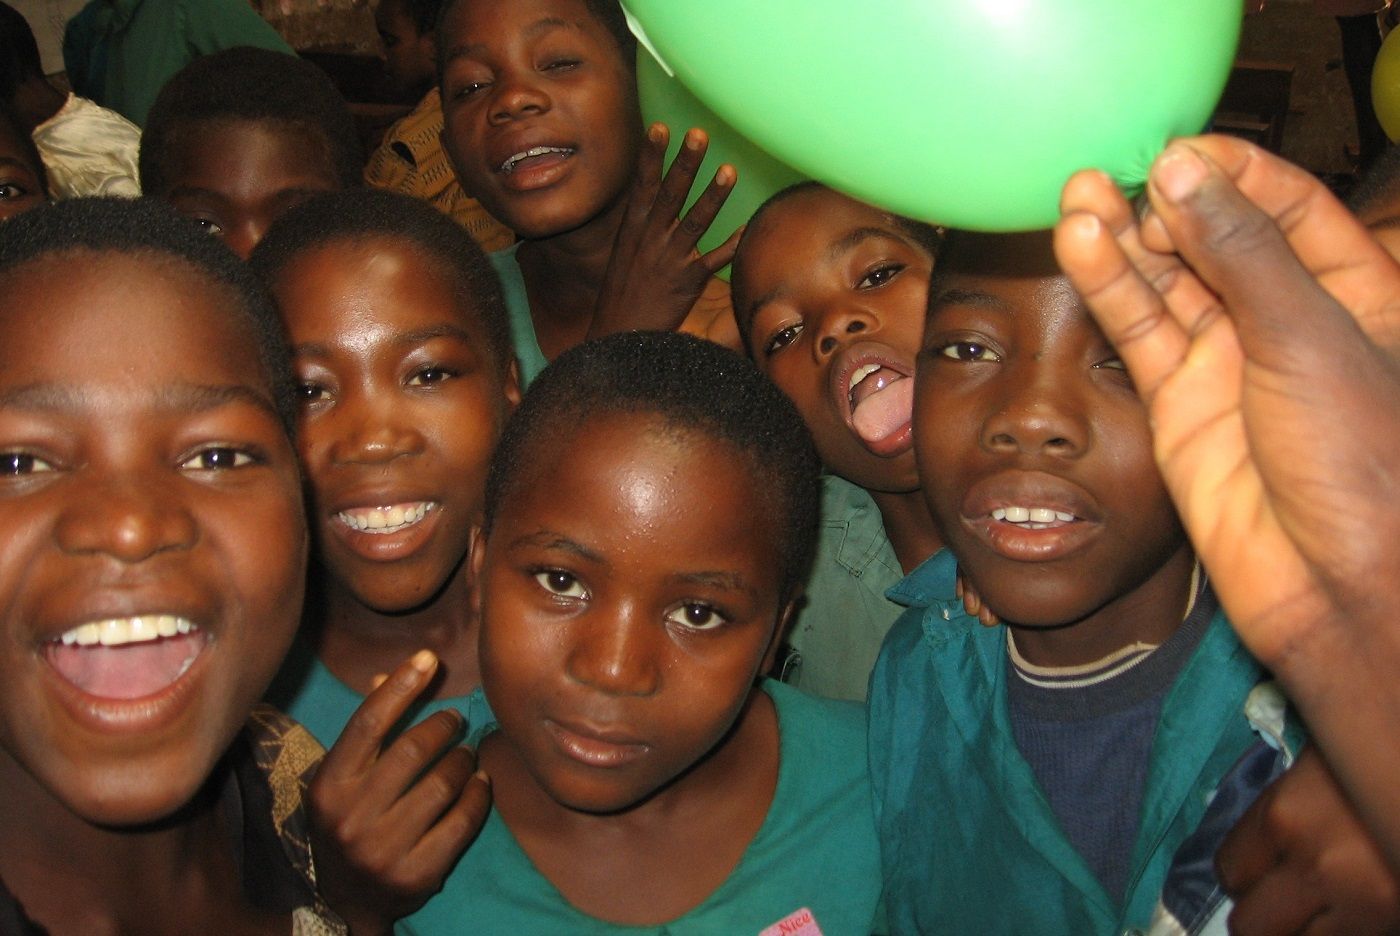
(548, 539)
(17, 163)
(968, 297)
(180, 397)
(410, 339)
(725, 581)
(841, 245)
(532, 31)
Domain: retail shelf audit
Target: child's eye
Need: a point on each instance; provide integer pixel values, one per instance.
(468, 89)
(969, 351)
(16, 464)
(428, 376)
(560, 64)
(207, 225)
(879, 276)
(10, 191)
(782, 338)
(561, 583)
(218, 458)
(309, 393)
(696, 616)
(1112, 363)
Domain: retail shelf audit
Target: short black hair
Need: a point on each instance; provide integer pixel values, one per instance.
(607, 13)
(147, 228)
(1379, 187)
(249, 84)
(371, 214)
(692, 385)
(422, 13)
(19, 53)
(923, 234)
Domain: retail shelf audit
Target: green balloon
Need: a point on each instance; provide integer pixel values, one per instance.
(1385, 85)
(666, 100)
(970, 113)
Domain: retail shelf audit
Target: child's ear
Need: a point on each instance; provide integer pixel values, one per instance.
(775, 643)
(512, 384)
(476, 556)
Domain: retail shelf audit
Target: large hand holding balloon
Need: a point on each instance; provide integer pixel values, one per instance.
(971, 113)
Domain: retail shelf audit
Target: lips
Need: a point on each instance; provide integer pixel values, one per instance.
(527, 165)
(1030, 516)
(595, 746)
(871, 387)
(387, 529)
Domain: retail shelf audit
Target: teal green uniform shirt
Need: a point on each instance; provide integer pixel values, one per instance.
(843, 621)
(968, 840)
(815, 854)
(528, 355)
(120, 53)
(310, 693)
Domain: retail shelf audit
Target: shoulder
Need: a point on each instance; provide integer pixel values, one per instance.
(812, 722)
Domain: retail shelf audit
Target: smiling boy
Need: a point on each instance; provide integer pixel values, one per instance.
(1056, 761)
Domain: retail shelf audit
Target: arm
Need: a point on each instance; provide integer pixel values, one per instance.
(1259, 322)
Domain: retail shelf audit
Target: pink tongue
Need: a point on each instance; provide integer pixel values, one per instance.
(131, 671)
(884, 413)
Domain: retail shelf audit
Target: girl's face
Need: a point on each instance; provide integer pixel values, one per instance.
(155, 547)
(629, 592)
(402, 404)
(236, 177)
(836, 294)
(540, 112)
(21, 180)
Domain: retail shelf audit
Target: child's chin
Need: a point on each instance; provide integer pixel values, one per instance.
(135, 799)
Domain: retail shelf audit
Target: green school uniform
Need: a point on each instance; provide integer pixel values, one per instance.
(528, 355)
(969, 842)
(813, 863)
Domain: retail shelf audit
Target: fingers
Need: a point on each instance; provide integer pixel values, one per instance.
(1133, 315)
(723, 255)
(360, 741)
(456, 828)
(1276, 247)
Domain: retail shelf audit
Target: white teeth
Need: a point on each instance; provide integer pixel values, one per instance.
(385, 519)
(1037, 517)
(859, 374)
(509, 165)
(114, 632)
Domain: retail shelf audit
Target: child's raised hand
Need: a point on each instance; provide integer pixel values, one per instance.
(1259, 321)
(657, 273)
(387, 826)
(1300, 860)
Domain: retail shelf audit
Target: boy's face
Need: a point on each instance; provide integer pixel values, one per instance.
(155, 551)
(236, 177)
(21, 187)
(1032, 443)
(402, 404)
(839, 292)
(540, 111)
(629, 592)
(410, 61)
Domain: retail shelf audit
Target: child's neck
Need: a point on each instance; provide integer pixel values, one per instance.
(357, 642)
(71, 876)
(908, 525)
(697, 828)
(563, 275)
(1148, 614)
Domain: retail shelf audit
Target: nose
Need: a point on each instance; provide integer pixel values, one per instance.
(242, 238)
(369, 428)
(613, 654)
(130, 518)
(518, 96)
(838, 322)
(1039, 413)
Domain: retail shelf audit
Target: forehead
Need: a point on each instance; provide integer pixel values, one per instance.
(247, 158)
(820, 221)
(380, 286)
(88, 318)
(472, 26)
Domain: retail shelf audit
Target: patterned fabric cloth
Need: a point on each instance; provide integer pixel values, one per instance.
(411, 160)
